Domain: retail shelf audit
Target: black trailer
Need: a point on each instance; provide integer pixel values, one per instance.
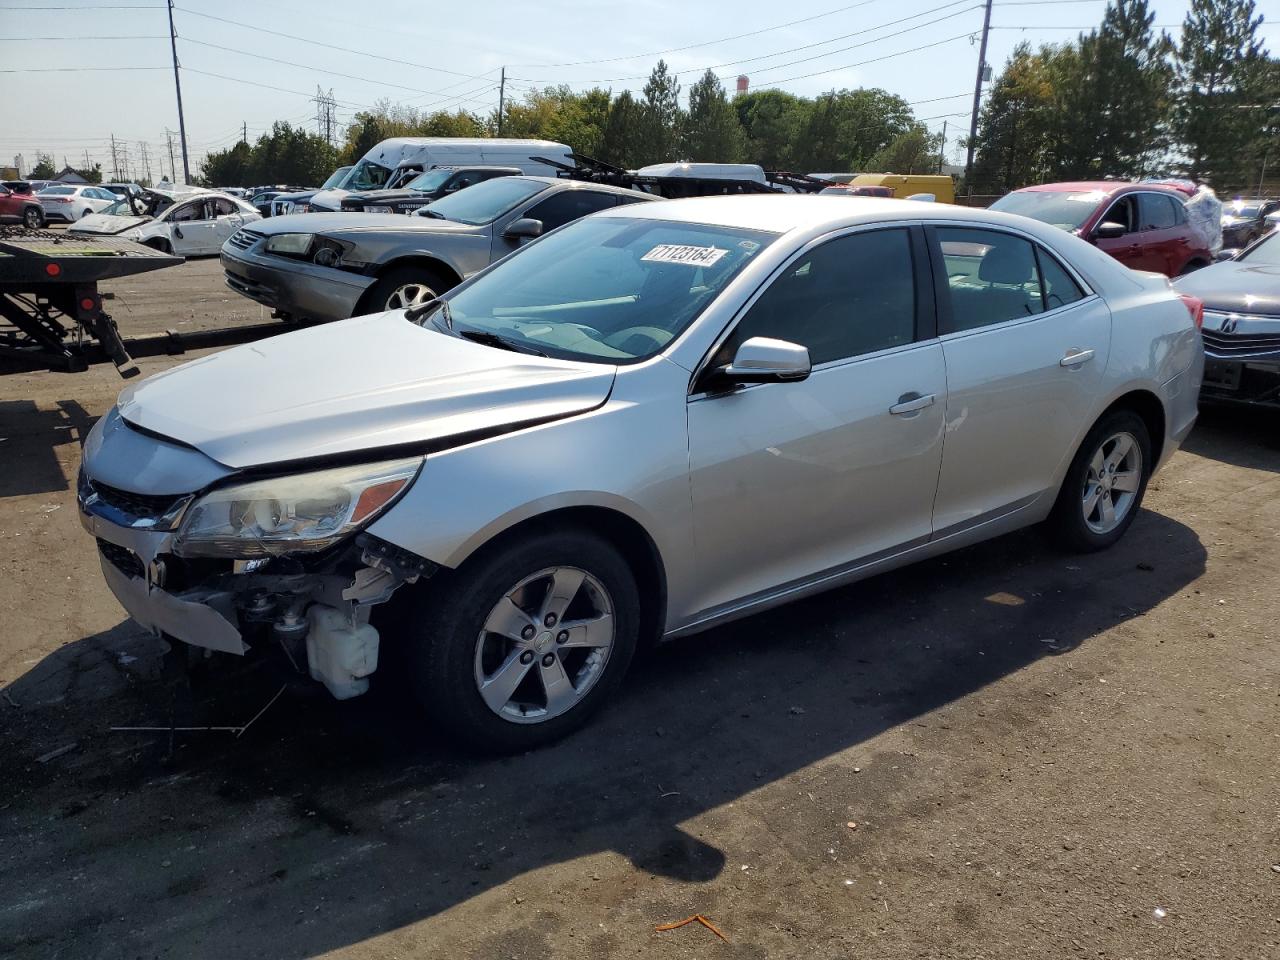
(50, 308)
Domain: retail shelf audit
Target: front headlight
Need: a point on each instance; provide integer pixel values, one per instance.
(290, 244)
(291, 514)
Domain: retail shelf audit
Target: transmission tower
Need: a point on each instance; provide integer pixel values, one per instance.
(145, 162)
(326, 107)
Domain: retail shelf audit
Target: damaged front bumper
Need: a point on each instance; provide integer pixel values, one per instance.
(316, 607)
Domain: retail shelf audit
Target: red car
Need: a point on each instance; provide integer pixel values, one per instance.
(19, 204)
(1142, 225)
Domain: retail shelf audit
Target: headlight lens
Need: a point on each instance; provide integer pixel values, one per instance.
(290, 244)
(300, 513)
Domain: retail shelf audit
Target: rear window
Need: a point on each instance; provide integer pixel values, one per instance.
(58, 191)
(1067, 210)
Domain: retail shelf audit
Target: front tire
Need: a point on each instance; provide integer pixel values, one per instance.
(33, 218)
(404, 287)
(1103, 489)
(527, 640)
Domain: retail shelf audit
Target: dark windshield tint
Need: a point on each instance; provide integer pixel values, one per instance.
(431, 180)
(1068, 211)
(605, 288)
(485, 202)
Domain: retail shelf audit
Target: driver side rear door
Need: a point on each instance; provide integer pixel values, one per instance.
(192, 229)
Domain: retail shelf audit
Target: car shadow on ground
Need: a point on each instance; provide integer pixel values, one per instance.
(329, 823)
(1239, 435)
(30, 436)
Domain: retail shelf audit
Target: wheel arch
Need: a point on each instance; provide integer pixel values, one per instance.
(415, 259)
(626, 534)
(1147, 405)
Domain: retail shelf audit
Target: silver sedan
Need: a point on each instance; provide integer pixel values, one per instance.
(657, 419)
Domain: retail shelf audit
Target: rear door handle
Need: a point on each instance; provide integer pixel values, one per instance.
(1076, 357)
(911, 402)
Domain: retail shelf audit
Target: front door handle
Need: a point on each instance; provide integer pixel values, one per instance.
(911, 402)
(1075, 358)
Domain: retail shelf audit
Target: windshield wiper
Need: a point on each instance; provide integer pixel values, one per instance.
(420, 310)
(501, 342)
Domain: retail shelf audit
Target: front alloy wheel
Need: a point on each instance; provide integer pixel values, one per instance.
(33, 218)
(408, 295)
(544, 645)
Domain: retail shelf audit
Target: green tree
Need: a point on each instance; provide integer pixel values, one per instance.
(619, 144)
(1016, 124)
(913, 151)
(228, 168)
(44, 168)
(660, 118)
(711, 128)
(284, 155)
(1220, 118)
(771, 120)
(843, 130)
(94, 174)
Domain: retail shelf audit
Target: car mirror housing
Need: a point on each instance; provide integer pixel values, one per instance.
(765, 360)
(1226, 253)
(1110, 230)
(526, 228)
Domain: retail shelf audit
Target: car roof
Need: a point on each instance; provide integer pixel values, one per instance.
(785, 212)
(1108, 187)
(584, 185)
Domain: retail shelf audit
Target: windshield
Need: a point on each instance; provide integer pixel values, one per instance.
(366, 175)
(605, 288)
(1068, 211)
(1264, 253)
(335, 178)
(431, 180)
(120, 208)
(485, 202)
(1246, 211)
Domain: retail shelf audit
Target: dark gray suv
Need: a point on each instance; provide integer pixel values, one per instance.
(332, 266)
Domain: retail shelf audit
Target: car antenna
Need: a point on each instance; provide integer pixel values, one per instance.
(420, 310)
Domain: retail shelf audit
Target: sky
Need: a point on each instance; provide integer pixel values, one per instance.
(251, 62)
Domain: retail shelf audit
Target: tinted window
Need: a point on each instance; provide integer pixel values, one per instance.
(850, 296)
(1124, 212)
(1059, 288)
(569, 205)
(1156, 211)
(991, 277)
(484, 202)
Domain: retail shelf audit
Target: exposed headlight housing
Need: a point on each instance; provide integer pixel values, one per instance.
(290, 244)
(300, 513)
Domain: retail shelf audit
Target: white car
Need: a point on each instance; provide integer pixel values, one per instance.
(189, 225)
(72, 202)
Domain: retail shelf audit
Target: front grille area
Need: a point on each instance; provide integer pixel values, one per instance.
(1225, 344)
(139, 505)
(244, 239)
(124, 560)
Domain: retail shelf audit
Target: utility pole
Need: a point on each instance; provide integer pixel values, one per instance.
(177, 85)
(146, 161)
(502, 98)
(244, 131)
(977, 99)
(173, 170)
(942, 148)
(87, 164)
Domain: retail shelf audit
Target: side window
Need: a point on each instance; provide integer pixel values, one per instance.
(224, 208)
(1179, 211)
(189, 212)
(633, 197)
(1123, 213)
(569, 205)
(1059, 287)
(852, 295)
(1155, 211)
(991, 277)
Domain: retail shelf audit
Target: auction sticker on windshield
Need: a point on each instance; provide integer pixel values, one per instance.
(680, 253)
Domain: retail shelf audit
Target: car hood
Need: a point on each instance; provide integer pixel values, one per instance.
(364, 384)
(1237, 286)
(105, 224)
(330, 224)
(381, 196)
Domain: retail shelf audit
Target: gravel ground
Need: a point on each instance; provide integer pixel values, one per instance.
(1005, 753)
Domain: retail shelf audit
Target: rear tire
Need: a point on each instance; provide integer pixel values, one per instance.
(403, 287)
(454, 657)
(33, 218)
(1103, 489)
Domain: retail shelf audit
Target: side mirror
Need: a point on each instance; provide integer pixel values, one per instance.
(1109, 230)
(765, 360)
(526, 228)
(1226, 253)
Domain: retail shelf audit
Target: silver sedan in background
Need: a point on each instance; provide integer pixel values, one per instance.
(657, 419)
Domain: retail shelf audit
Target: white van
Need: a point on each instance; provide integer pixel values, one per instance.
(401, 156)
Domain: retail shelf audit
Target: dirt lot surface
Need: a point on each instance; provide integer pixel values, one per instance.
(1044, 755)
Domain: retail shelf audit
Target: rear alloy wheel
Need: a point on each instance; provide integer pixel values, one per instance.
(524, 642)
(33, 218)
(1104, 485)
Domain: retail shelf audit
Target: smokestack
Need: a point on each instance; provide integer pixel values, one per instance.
(743, 83)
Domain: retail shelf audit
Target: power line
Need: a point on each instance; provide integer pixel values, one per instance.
(331, 46)
(778, 53)
(93, 39)
(863, 63)
(704, 43)
(76, 69)
(147, 6)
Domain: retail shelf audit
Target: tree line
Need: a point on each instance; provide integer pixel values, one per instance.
(1127, 101)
